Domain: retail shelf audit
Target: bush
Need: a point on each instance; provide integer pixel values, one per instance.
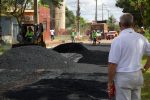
(147, 34)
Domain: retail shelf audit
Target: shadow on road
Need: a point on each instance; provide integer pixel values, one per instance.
(61, 89)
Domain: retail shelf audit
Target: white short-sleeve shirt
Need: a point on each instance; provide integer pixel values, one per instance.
(127, 50)
(52, 32)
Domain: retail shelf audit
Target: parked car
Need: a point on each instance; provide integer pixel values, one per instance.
(111, 35)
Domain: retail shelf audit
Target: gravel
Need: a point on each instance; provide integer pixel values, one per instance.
(80, 54)
(28, 64)
(36, 73)
(70, 48)
(32, 57)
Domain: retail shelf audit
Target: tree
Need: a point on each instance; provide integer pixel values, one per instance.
(84, 26)
(14, 8)
(140, 9)
(70, 18)
(52, 4)
(112, 24)
(56, 3)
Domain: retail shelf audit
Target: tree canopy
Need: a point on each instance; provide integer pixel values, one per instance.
(140, 9)
(70, 18)
(14, 8)
(56, 3)
(112, 24)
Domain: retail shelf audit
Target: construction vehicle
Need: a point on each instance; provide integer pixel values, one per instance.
(37, 38)
(101, 28)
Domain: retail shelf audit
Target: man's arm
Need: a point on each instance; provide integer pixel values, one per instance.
(111, 72)
(147, 65)
(111, 75)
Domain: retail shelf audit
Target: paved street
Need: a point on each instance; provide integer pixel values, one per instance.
(82, 81)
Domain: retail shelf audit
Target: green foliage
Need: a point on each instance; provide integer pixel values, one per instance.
(14, 8)
(71, 21)
(146, 87)
(140, 9)
(83, 25)
(112, 24)
(82, 22)
(147, 34)
(70, 18)
(56, 3)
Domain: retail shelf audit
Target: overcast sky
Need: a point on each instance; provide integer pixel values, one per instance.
(88, 8)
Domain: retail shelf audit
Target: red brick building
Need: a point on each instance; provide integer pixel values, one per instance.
(44, 17)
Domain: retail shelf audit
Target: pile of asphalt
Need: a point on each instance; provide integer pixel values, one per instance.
(44, 69)
(26, 64)
(77, 50)
(70, 48)
(61, 89)
(30, 57)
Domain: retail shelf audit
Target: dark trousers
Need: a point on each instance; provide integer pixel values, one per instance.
(52, 37)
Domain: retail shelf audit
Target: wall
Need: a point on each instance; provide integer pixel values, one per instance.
(44, 17)
(60, 19)
(10, 29)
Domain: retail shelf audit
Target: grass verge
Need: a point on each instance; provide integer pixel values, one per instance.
(146, 88)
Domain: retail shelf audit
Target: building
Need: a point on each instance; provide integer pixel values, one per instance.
(60, 19)
(10, 28)
(45, 15)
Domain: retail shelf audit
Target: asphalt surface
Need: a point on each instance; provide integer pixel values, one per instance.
(84, 80)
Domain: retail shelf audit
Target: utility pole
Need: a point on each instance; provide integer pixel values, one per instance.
(78, 16)
(96, 12)
(35, 11)
(108, 14)
(102, 11)
(52, 14)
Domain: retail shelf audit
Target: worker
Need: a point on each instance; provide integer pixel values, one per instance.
(73, 34)
(52, 32)
(29, 35)
(94, 35)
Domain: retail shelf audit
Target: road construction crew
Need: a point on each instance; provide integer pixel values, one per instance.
(73, 34)
(29, 35)
(94, 35)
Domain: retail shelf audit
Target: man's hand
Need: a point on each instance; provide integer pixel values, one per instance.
(111, 90)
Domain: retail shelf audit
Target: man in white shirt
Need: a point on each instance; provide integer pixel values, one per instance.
(125, 69)
(52, 32)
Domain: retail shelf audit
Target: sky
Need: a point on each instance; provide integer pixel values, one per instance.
(88, 9)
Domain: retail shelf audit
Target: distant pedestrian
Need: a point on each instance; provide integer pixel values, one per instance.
(94, 35)
(52, 32)
(73, 34)
(125, 55)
